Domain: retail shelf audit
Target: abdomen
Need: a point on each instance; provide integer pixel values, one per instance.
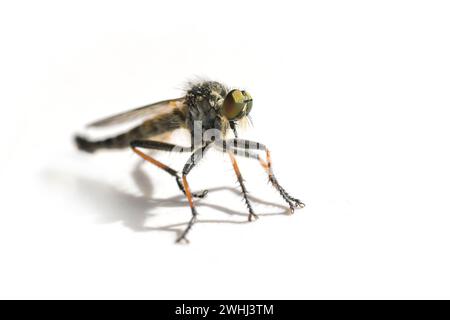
(150, 128)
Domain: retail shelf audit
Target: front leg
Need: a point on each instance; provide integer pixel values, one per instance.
(241, 147)
(251, 214)
(267, 165)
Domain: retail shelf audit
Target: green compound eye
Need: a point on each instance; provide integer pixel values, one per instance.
(237, 104)
(249, 100)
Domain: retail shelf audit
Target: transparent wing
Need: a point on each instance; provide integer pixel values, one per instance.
(145, 112)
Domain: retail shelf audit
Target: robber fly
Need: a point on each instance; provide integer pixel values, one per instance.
(207, 107)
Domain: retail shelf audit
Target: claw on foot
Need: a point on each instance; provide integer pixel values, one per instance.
(300, 204)
(297, 203)
(293, 204)
(291, 209)
(200, 194)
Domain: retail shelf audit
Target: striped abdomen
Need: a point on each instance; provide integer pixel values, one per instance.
(150, 128)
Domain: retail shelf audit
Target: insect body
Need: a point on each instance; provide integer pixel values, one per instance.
(209, 110)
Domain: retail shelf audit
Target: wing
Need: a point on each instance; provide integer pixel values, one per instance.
(146, 112)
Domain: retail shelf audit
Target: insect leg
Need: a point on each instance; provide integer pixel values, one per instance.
(240, 147)
(193, 160)
(243, 188)
(233, 127)
(162, 146)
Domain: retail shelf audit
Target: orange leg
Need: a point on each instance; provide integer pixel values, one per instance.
(182, 182)
(193, 210)
(243, 188)
(267, 165)
(193, 160)
(241, 147)
(155, 162)
(164, 167)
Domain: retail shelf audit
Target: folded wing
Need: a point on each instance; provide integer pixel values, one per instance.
(142, 113)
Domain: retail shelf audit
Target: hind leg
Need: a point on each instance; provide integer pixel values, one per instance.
(162, 146)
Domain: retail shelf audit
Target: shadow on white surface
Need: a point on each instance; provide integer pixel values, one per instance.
(112, 205)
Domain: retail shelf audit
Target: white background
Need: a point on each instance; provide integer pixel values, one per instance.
(351, 96)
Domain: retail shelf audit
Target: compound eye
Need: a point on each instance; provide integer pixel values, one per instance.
(234, 104)
(249, 101)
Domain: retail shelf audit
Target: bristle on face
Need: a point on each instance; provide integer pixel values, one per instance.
(244, 123)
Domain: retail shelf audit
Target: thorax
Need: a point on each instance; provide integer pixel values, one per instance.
(204, 102)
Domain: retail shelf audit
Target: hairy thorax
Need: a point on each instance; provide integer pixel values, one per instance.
(203, 102)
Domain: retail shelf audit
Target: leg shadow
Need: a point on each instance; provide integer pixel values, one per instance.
(113, 205)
